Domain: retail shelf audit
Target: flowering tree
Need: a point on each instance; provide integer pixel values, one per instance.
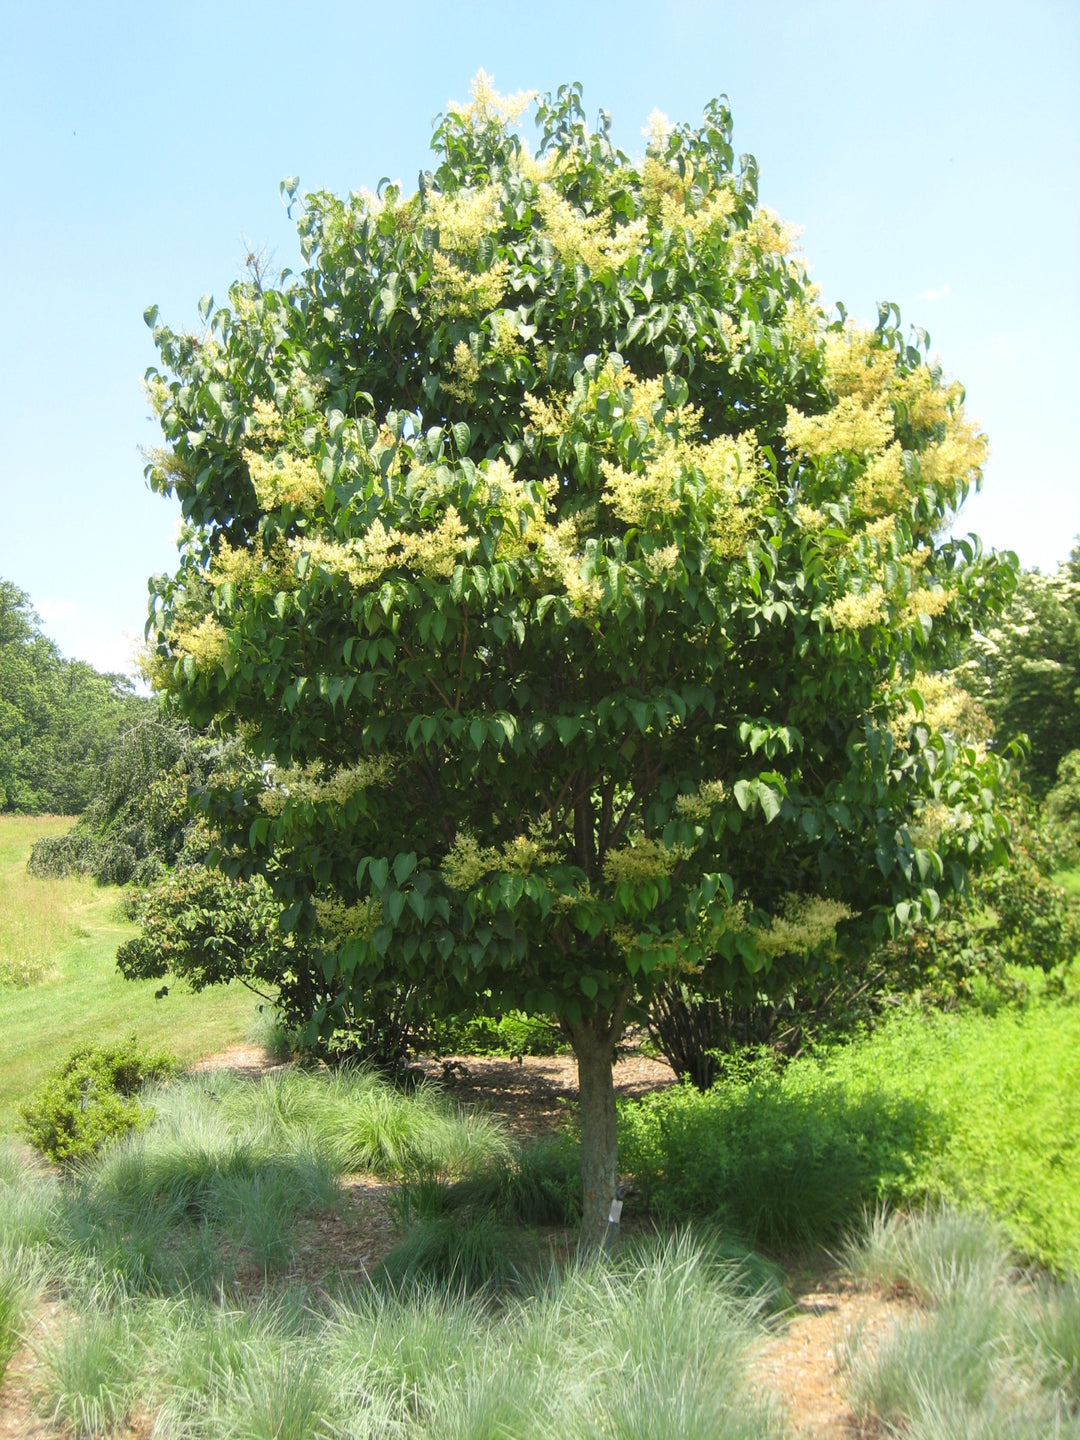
(1025, 668)
(573, 575)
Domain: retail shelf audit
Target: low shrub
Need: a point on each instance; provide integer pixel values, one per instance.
(91, 1098)
(513, 1033)
(776, 1156)
(980, 1110)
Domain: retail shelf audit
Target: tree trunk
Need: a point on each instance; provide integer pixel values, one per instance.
(594, 1047)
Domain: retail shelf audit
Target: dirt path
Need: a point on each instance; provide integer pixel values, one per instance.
(803, 1364)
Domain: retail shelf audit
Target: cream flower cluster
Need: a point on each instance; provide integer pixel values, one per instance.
(465, 863)
(804, 923)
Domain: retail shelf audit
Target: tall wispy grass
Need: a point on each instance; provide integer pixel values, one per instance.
(21, 1281)
(353, 1117)
(215, 1187)
(91, 1371)
(987, 1353)
(652, 1345)
(664, 1334)
(936, 1254)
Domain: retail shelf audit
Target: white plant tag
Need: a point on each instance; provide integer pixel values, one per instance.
(614, 1212)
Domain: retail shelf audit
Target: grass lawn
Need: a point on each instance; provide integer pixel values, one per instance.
(67, 931)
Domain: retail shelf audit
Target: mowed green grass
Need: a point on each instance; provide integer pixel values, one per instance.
(72, 929)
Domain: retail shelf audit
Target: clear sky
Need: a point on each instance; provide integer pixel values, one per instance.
(930, 150)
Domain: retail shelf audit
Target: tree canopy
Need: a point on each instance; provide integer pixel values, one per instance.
(1025, 668)
(58, 717)
(576, 578)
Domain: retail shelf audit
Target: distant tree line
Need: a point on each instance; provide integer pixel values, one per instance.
(59, 718)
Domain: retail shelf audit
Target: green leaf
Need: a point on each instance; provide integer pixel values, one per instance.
(769, 801)
(567, 727)
(393, 904)
(404, 865)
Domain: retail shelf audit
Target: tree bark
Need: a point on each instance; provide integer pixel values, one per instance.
(594, 1044)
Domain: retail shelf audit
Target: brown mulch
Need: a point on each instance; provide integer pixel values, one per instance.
(250, 1060)
(803, 1365)
(534, 1093)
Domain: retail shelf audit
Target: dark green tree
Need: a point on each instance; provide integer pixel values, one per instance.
(139, 821)
(1025, 668)
(573, 575)
(58, 718)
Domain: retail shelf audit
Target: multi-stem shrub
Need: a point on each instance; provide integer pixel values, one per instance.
(775, 1156)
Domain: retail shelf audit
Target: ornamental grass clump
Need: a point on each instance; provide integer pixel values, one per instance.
(92, 1371)
(359, 1121)
(21, 1280)
(936, 1255)
(986, 1350)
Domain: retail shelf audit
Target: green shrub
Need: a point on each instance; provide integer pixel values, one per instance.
(777, 1156)
(1061, 810)
(208, 928)
(92, 1097)
(1017, 915)
(980, 1110)
(513, 1033)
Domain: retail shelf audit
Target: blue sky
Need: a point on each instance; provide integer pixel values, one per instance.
(931, 151)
